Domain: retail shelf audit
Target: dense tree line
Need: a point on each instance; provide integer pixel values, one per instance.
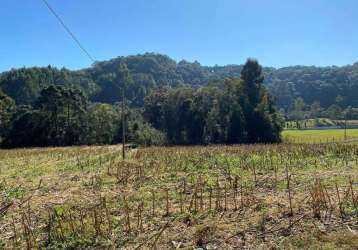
(322, 85)
(62, 116)
(24, 85)
(227, 111)
(64, 107)
(7, 108)
(233, 110)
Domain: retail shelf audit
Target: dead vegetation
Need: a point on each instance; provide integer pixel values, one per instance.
(222, 197)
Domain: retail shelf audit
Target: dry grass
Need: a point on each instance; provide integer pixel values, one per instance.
(254, 196)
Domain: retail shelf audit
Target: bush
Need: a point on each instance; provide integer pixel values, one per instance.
(147, 135)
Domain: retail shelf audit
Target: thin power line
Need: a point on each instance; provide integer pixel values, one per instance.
(68, 30)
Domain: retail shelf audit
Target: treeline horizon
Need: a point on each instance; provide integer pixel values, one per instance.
(226, 111)
(331, 89)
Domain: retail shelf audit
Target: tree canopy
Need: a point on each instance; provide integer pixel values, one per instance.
(151, 71)
(227, 111)
(230, 110)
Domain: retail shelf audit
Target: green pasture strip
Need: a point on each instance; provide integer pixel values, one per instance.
(318, 136)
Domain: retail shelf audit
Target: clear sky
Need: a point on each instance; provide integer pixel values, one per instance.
(276, 32)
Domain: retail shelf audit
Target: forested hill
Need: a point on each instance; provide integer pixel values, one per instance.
(326, 85)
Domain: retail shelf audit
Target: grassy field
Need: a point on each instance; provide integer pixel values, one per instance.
(318, 136)
(220, 197)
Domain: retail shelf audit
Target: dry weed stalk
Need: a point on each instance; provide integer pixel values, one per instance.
(288, 180)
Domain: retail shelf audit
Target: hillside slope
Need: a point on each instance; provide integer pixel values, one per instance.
(148, 71)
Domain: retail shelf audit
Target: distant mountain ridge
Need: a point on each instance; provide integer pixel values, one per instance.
(150, 70)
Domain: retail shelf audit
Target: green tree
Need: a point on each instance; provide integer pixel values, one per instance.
(214, 132)
(147, 135)
(262, 123)
(315, 110)
(252, 77)
(103, 124)
(64, 110)
(7, 109)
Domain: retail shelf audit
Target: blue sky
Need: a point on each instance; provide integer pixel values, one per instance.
(276, 32)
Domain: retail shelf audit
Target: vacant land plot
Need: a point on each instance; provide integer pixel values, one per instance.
(256, 196)
(318, 136)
